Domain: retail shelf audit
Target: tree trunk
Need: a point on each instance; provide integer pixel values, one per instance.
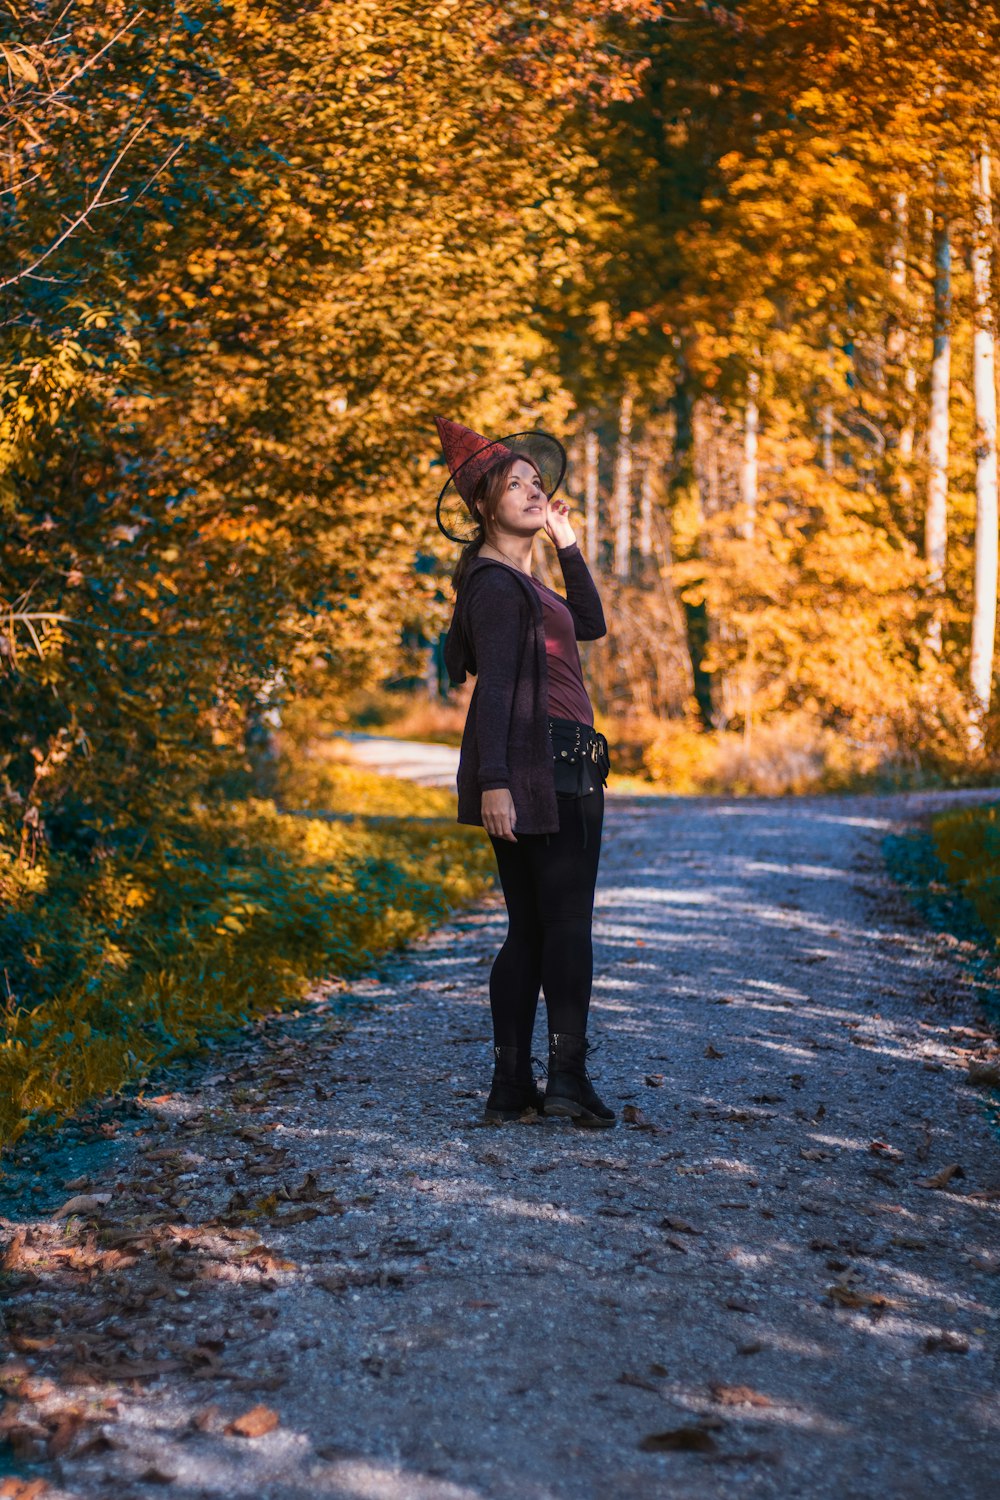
(748, 469)
(592, 492)
(646, 505)
(826, 419)
(684, 493)
(622, 506)
(936, 520)
(901, 352)
(984, 614)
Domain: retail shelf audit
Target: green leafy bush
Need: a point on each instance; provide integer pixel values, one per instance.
(968, 845)
(128, 960)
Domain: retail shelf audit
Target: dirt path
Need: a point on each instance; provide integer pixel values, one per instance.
(759, 1268)
(421, 761)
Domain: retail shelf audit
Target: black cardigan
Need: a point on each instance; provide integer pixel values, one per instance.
(497, 634)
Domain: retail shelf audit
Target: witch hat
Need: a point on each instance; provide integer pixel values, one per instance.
(469, 456)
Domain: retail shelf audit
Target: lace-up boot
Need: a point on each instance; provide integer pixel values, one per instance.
(514, 1092)
(568, 1090)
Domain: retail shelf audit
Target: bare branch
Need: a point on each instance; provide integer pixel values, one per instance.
(97, 201)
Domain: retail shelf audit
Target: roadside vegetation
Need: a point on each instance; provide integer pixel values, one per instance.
(968, 845)
(136, 956)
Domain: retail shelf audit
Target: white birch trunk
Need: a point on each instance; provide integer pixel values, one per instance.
(827, 438)
(623, 488)
(749, 476)
(984, 614)
(938, 431)
(646, 506)
(591, 471)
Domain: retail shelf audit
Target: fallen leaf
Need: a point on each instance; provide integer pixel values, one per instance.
(14, 1253)
(942, 1178)
(739, 1395)
(25, 1344)
(679, 1440)
(254, 1423)
(945, 1343)
(297, 1216)
(83, 1203)
(653, 1080)
(68, 1425)
(882, 1148)
(849, 1296)
(205, 1419)
(711, 1051)
(633, 1115)
(23, 1489)
(681, 1225)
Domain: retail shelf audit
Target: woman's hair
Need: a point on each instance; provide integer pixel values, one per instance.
(486, 498)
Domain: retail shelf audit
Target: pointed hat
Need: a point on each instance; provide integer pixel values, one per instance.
(469, 456)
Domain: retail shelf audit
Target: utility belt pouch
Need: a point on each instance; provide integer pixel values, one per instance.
(580, 758)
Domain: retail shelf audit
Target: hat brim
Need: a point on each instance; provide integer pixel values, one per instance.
(454, 517)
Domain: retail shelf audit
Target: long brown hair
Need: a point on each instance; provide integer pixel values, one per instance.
(485, 500)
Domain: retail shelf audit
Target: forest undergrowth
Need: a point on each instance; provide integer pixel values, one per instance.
(116, 963)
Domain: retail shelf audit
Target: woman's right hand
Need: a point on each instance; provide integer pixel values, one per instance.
(498, 814)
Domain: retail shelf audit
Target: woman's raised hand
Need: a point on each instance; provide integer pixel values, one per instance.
(498, 814)
(557, 524)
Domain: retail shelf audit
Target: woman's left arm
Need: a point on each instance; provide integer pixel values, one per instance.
(582, 598)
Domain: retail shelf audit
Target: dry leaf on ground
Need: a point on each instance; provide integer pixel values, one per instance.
(942, 1178)
(849, 1296)
(738, 1395)
(679, 1440)
(946, 1343)
(681, 1225)
(254, 1423)
(83, 1203)
(23, 1489)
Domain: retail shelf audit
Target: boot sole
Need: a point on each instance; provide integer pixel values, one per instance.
(570, 1109)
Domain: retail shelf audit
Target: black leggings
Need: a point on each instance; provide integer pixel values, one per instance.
(549, 890)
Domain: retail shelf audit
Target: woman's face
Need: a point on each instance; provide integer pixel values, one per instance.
(524, 504)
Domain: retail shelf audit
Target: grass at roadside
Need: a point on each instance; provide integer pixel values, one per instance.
(968, 845)
(123, 962)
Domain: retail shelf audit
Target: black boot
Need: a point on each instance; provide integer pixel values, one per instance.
(514, 1092)
(569, 1091)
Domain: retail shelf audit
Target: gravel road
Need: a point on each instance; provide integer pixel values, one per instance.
(780, 1279)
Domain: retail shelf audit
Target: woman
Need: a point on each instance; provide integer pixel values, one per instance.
(532, 767)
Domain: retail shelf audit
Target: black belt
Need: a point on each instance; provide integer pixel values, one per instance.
(580, 760)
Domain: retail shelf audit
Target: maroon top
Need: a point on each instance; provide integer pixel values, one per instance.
(567, 693)
(497, 634)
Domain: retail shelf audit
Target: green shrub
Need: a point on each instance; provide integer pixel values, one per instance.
(968, 845)
(130, 960)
